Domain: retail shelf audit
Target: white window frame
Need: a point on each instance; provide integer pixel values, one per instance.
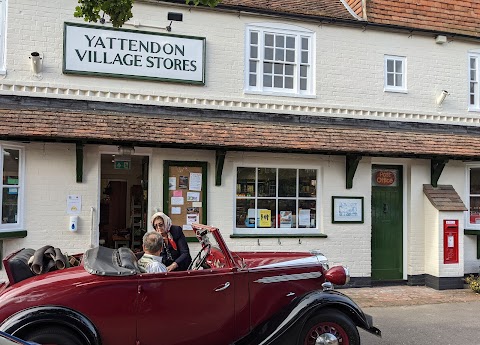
(3, 34)
(394, 88)
(468, 225)
(280, 29)
(278, 231)
(474, 78)
(21, 189)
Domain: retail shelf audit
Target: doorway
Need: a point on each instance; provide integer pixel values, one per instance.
(123, 201)
(387, 223)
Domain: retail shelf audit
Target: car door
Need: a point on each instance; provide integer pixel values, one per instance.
(192, 307)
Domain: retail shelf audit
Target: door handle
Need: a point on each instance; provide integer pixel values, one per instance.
(222, 287)
(385, 208)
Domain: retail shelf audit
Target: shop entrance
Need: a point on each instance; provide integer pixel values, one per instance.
(123, 201)
(387, 223)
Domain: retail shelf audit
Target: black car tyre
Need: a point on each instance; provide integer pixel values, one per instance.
(329, 326)
(53, 335)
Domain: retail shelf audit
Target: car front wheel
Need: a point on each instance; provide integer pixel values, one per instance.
(330, 327)
(53, 335)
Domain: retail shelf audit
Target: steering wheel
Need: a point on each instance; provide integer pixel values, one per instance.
(199, 260)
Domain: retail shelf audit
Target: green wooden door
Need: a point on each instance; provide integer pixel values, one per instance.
(387, 223)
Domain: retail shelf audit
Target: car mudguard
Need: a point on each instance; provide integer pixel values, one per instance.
(52, 315)
(285, 326)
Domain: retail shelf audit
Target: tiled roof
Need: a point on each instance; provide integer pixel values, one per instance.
(203, 132)
(444, 197)
(450, 16)
(447, 16)
(321, 8)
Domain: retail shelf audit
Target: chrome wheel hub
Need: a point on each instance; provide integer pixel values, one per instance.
(326, 339)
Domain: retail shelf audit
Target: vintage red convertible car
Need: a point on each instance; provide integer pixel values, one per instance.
(225, 298)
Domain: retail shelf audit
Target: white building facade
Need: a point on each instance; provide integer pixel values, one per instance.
(298, 76)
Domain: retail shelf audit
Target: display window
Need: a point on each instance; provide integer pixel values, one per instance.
(474, 197)
(275, 200)
(11, 194)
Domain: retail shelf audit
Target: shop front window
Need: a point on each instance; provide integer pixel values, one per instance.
(10, 197)
(275, 200)
(474, 197)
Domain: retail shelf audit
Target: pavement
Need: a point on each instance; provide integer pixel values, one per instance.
(404, 295)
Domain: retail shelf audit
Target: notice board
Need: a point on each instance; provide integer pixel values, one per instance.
(185, 194)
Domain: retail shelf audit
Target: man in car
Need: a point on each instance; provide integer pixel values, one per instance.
(151, 261)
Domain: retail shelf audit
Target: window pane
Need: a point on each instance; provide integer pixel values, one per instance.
(472, 99)
(304, 57)
(268, 54)
(278, 81)
(307, 211)
(475, 181)
(267, 80)
(246, 182)
(265, 213)
(288, 82)
(253, 52)
(288, 69)
(308, 182)
(304, 43)
(279, 54)
(290, 42)
(268, 40)
(473, 75)
(398, 80)
(252, 79)
(290, 56)
(390, 79)
(287, 213)
(389, 65)
(268, 67)
(253, 66)
(287, 182)
(10, 166)
(398, 66)
(475, 210)
(278, 68)
(242, 219)
(472, 87)
(10, 205)
(253, 37)
(267, 182)
(280, 41)
(303, 84)
(472, 63)
(303, 71)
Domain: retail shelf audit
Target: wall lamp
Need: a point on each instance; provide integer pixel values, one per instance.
(173, 16)
(35, 62)
(441, 97)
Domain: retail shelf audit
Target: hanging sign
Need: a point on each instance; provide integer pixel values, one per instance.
(384, 178)
(133, 54)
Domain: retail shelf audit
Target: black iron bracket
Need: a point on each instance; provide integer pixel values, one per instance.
(351, 164)
(436, 168)
(79, 156)
(219, 161)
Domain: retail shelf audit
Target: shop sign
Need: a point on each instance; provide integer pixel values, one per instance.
(384, 178)
(126, 53)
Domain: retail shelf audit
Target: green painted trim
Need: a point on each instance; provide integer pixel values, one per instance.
(13, 234)
(471, 232)
(351, 164)
(219, 161)
(278, 236)
(128, 76)
(79, 160)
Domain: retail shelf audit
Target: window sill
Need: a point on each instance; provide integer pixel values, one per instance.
(13, 234)
(278, 236)
(471, 232)
(395, 90)
(279, 94)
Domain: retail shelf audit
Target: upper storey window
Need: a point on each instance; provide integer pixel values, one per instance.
(279, 60)
(395, 73)
(474, 93)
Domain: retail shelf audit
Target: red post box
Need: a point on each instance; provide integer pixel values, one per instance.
(450, 241)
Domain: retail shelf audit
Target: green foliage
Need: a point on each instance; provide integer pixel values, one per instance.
(119, 11)
(474, 283)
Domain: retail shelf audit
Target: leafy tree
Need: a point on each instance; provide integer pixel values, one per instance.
(119, 11)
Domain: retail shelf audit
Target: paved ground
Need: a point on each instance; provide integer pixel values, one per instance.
(389, 296)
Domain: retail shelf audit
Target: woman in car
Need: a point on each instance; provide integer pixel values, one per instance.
(176, 254)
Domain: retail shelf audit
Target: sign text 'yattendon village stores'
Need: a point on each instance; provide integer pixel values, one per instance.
(133, 54)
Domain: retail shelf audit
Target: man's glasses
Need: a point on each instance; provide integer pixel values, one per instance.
(158, 226)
